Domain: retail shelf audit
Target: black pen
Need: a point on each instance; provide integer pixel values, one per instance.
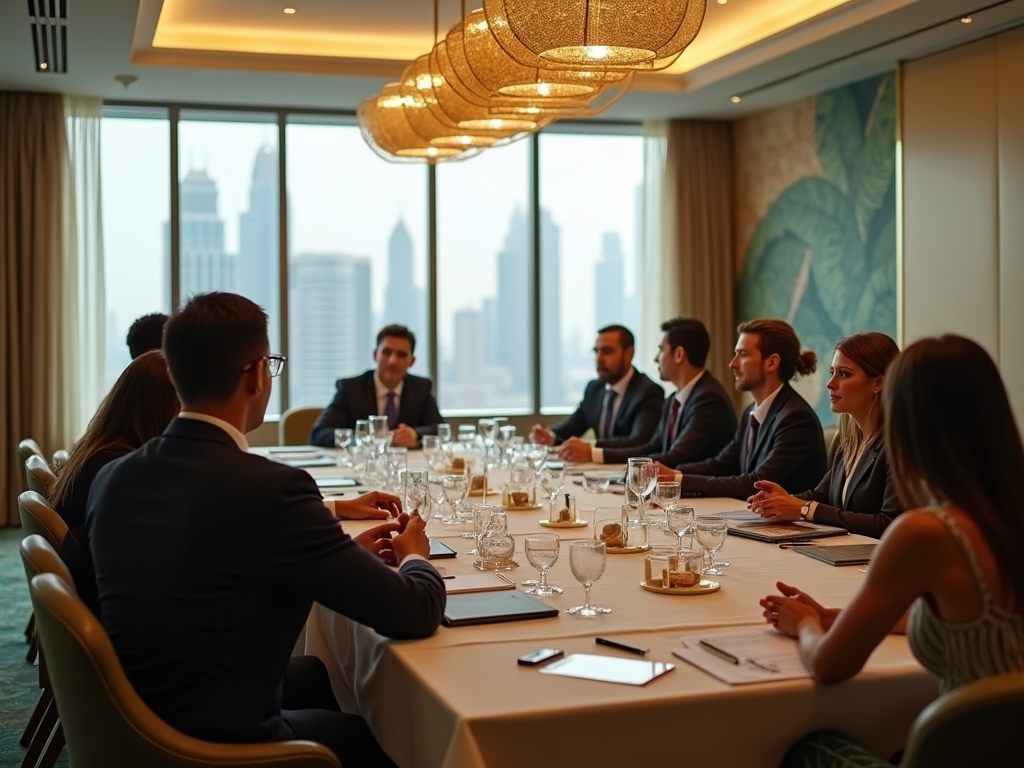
(621, 646)
(724, 655)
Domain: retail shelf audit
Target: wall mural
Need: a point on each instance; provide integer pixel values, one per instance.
(823, 253)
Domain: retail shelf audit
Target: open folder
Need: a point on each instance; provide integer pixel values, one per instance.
(494, 607)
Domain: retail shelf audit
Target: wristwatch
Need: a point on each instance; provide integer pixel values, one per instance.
(804, 510)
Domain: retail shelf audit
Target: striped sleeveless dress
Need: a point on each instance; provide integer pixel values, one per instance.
(992, 644)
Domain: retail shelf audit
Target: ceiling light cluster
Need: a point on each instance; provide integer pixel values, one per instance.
(514, 66)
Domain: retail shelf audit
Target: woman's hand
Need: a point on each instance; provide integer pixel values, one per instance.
(374, 505)
(790, 610)
(773, 503)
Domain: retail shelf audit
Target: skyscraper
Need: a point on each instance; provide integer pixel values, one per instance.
(204, 265)
(552, 383)
(514, 313)
(404, 301)
(608, 281)
(330, 330)
(258, 231)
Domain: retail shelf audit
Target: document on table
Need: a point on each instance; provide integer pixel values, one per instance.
(745, 656)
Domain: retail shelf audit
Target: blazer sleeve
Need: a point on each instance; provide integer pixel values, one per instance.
(577, 423)
(868, 523)
(306, 551)
(645, 422)
(822, 492)
(727, 462)
(700, 435)
(337, 415)
(793, 432)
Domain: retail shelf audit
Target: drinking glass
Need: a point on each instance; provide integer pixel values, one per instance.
(416, 490)
(679, 518)
(343, 441)
(537, 455)
(467, 433)
(641, 477)
(586, 561)
(481, 517)
(397, 459)
(542, 554)
(505, 434)
(711, 533)
(362, 432)
(552, 479)
(444, 431)
(431, 449)
(665, 495)
(435, 492)
(455, 489)
(379, 432)
(597, 482)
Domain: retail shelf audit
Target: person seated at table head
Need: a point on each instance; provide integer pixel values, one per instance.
(696, 422)
(779, 437)
(949, 572)
(138, 407)
(146, 333)
(387, 390)
(209, 557)
(621, 405)
(857, 492)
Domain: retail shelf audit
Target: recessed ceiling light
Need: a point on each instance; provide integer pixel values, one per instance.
(734, 99)
(43, 65)
(966, 20)
(290, 11)
(722, 2)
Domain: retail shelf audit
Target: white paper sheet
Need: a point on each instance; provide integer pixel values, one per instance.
(764, 655)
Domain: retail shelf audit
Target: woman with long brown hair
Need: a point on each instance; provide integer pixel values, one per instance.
(857, 492)
(949, 572)
(138, 407)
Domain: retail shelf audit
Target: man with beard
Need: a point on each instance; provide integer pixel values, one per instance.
(621, 405)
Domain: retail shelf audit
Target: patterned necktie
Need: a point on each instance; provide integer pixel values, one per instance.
(673, 418)
(755, 425)
(391, 411)
(606, 413)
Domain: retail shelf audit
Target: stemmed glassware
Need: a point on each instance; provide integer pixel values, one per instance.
(505, 434)
(711, 533)
(343, 441)
(537, 454)
(444, 431)
(455, 489)
(431, 450)
(362, 433)
(542, 553)
(679, 518)
(665, 495)
(435, 492)
(586, 561)
(467, 434)
(641, 477)
(552, 480)
(416, 488)
(481, 514)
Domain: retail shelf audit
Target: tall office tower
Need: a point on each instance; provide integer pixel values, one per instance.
(492, 327)
(514, 309)
(204, 265)
(404, 301)
(633, 313)
(469, 345)
(330, 332)
(258, 260)
(552, 380)
(608, 280)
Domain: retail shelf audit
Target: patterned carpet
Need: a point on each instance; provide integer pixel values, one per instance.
(19, 681)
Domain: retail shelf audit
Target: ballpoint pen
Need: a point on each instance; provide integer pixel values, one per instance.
(722, 654)
(620, 646)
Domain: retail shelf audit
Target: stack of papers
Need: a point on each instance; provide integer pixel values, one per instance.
(744, 656)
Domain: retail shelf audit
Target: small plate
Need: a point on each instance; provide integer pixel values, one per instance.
(628, 550)
(705, 587)
(577, 524)
(527, 508)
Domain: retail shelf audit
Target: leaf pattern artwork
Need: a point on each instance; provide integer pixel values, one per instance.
(824, 256)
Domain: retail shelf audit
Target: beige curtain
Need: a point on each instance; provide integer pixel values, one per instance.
(697, 233)
(36, 384)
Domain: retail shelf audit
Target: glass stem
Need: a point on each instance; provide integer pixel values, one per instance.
(543, 579)
(586, 602)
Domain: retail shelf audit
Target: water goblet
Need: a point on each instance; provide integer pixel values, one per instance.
(343, 441)
(596, 482)
(542, 554)
(679, 518)
(711, 533)
(431, 450)
(586, 561)
(455, 489)
(416, 489)
(362, 432)
(444, 431)
(396, 459)
(665, 495)
(467, 434)
(537, 455)
(641, 477)
(552, 479)
(435, 492)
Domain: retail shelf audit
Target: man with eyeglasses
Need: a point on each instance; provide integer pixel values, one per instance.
(208, 557)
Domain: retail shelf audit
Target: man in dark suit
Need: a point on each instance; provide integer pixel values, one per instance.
(779, 437)
(208, 558)
(390, 390)
(696, 422)
(621, 405)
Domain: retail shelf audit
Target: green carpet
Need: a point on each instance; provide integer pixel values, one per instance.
(19, 681)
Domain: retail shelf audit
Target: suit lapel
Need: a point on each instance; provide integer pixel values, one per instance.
(621, 413)
(369, 395)
(407, 402)
(765, 429)
(867, 460)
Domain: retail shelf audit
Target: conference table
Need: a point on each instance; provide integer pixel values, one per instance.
(458, 699)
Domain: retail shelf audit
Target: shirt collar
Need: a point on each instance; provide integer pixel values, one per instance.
(231, 429)
(382, 391)
(761, 412)
(622, 384)
(683, 394)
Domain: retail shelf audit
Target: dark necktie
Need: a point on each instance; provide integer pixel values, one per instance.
(606, 413)
(673, 418)
(391, 411)
(752, 439)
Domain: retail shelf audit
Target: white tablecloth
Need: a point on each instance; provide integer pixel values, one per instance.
(459, 700)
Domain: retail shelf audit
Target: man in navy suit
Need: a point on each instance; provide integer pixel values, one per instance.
(208, 557)
(779, 436)
(389, 390)
(696, 422)
(621, 405)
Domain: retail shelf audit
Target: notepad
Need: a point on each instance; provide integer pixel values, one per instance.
(304, 462)
(494, 607)
(440, 551)
(744, 656)
(847, 554)
(608, 669)
(775, 532)
(477, 582)
(335, 482)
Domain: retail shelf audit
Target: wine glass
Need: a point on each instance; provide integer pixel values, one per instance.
(641, 477)
(552, 480)
(343, 441)
(467, 434)
(586, 561)
(542, 553)
(665, 495)
(416, 489)
(711, 533)
(396, 460)
(537, 455)
(455, 489)
(435, 492)
(444, 431)
(505, 433)
(362, 432)
(679, 518)
(431, 449)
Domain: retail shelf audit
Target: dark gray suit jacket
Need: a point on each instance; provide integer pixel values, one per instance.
(790, 451)
(356, 399)
(704, 426)
(871, 502)
(208, 560)
(635, 421)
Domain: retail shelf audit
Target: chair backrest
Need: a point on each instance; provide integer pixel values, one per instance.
(975, 724)
(37, 556)
(38, 517)
(296, 425)
(39, 475)
(60, 458)
(831, 434)
(105, 722)
(29, 447)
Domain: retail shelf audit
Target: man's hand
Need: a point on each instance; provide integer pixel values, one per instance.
(665, 474)
(541, 434)
(378, 539)
(405, 436)
(412, 540)
(374, 505)
(575, 450)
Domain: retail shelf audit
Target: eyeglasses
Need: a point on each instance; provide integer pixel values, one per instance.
(274, 362)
